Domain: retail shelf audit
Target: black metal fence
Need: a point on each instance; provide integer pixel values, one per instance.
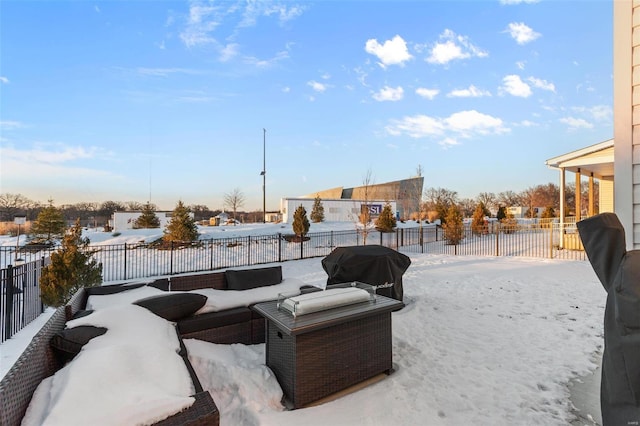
(20, 299)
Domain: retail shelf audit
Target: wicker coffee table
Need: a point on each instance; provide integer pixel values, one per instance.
(318, 354)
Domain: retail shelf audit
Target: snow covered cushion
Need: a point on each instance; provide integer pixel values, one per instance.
(70, 341)
(321, 300)
(97, 302)
(134, 370)
(219, 300)
(173, 306)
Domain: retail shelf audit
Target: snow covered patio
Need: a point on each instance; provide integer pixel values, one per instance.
(482, 340)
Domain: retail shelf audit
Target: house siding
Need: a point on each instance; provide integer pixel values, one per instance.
(606, 195)
(626, 66)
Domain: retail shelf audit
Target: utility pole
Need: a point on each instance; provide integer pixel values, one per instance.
(264, 175)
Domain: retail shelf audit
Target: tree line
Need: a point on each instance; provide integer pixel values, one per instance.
(433, 199)
(98, 214)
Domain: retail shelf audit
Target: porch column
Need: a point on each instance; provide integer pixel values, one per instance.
(592, 208)
(563, 208)
(578, 195)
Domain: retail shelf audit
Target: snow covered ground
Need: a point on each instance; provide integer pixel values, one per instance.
(482, 340)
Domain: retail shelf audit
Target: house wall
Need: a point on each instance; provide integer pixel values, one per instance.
(626, 96)
(334, 210)
(605, 201)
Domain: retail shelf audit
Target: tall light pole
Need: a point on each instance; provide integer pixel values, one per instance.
(264, 175)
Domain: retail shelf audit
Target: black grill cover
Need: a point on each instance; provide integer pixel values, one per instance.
(619, 272)
(374, 264)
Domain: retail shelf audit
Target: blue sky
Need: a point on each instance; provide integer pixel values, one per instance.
(167, 100)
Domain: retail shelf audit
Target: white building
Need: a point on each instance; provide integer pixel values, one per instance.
(335, 210)
(125, 220)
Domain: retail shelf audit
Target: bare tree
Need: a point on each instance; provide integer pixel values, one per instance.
(234, 200)
(439, 200)
(488, 199)
(467, 206)
(509, 199)
(12, 205)
(363, 216)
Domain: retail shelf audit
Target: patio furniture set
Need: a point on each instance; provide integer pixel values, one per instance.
(317, 342)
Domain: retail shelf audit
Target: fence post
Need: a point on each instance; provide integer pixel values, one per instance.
(249, 250)
(8, 313)
(171, 258)
(125, 262)
(41, 302)
(421, 238)
(301, 246)
(550, 240)
(380, 238)
(498, 228)
(279, 247)
(210, 243)
(331, 242)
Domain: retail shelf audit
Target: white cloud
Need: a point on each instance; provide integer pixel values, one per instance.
(10, 125)
(391, 52)
(286, 89)
(464, 124)
(4, 80)
(453, 47)
(471, 92)
(257, 9)
(513, 85)
(45, 161)
(166, 72)
(266, 63)
(470, 122)
(325, 76)
(202, 21)
(229, 52)
(427, 93)
(318, 87)
(448, 143)
(601, 112)
(521, 33)
(527, 123)
(521, 64)
(542, 84)
(597, 112)
(576, 123)
(389, 94)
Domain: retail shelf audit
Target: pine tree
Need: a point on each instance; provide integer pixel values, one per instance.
(317, 212)
(181, 227)
(48, 226)
(453, 227)
(386, 221)
(478, 226)
(502, 213)
(548, 213)
(147, 219)
(71, 268)
(300, 222)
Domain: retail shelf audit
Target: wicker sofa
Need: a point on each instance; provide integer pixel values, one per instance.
(236, 325)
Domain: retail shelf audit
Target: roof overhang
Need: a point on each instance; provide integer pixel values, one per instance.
(595, 159)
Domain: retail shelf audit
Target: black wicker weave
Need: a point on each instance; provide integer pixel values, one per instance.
(316, 355)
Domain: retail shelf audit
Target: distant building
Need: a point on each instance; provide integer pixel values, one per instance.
(125, 220)
(520, 212)
(335, 210)
(406, 194)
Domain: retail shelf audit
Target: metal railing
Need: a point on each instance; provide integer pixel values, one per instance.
(19, 297)
(20, 292)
